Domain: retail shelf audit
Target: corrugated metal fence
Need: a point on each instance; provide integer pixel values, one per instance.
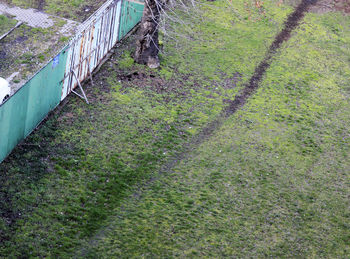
(21, 114)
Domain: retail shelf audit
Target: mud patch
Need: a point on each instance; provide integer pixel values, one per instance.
(2, 58)
(87, 10)
(326, 6)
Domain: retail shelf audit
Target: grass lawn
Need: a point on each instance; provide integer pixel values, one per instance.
(273, 181)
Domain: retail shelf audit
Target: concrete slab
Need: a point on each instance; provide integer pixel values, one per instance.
(36, 19)
(31, 17)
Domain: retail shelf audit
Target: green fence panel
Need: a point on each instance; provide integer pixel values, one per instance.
(12, 122)
(131, 15)
(45, 91)
(29, 106)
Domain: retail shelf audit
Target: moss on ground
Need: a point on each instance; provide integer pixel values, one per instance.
(6, 24)
(27, 49)
(270, 183)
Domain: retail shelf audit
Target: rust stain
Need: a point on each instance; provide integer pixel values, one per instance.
(93, 44)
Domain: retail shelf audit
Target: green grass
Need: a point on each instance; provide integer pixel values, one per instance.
(270, 183)
(6, 24)
(26, 49)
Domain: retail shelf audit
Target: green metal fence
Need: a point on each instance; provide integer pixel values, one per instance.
(29, 106)
(131, 15)
(23, 111)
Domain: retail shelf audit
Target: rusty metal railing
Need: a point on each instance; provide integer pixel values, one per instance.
(94, 40)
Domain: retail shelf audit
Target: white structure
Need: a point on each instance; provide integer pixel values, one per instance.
(5, 90)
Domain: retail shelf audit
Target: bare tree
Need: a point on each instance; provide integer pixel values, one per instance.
(147, 46)
(157, 15)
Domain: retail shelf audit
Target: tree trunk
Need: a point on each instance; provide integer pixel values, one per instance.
(147, 45)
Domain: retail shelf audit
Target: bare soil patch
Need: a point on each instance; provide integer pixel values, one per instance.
(326, 6)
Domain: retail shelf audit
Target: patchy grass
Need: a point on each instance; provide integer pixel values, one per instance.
(27, 49)
(271, 182)
(6, 24)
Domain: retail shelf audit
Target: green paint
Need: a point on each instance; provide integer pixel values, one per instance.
(29, 106)
(131, 15)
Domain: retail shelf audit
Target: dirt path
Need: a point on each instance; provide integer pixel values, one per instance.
(290, 25)
(240, 100)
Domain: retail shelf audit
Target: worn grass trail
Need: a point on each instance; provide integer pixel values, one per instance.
(60, 186)
(249, 88)
(271, 181)
(289, 26)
